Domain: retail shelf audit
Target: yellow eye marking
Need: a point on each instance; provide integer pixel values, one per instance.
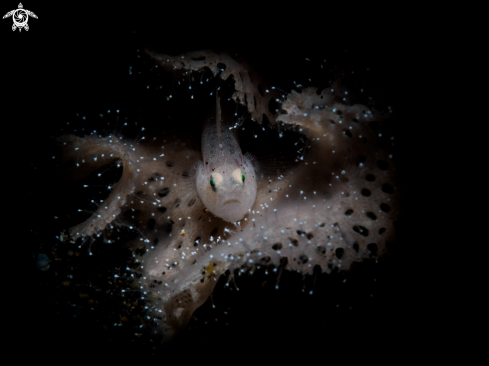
(237, 177)
(216, 180)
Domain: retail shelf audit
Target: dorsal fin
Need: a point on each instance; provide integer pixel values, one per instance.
(218, 119)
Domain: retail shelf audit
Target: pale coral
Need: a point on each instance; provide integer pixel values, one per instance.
(335, 207)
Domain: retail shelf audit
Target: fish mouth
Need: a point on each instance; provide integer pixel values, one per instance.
(228, 202)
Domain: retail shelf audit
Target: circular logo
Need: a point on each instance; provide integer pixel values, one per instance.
(20, 17)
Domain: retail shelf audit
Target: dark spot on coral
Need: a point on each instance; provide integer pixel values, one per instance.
(300, 232)
(322, 224)
(283, 262)
(169, 164)
(373, 249)
(164, 192)
(317, 270)
(320, 250)
(155, 241)
(370, 177)
(221, 66)
(355, 120)
(385, 207)
(151, 224)
(309, 236)
(214, 232)
(169, 227)
(191, 203)
(265, 260)
(355, 247)
(197, 241)
(277, 246)
(303, 259)
(361, 230)
(177, 202)
(294, 241)
(387, 188)
(383, 165)
(365, 192)
(382, 230)
(374, 126)
(180, 245)
(339, 252)
(347, 132)
(371, 215)
(202, 280)
(185, 174)
(361, 159)
(348, 212)
(162, 209)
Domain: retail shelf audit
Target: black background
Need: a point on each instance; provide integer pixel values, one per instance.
(76, 56)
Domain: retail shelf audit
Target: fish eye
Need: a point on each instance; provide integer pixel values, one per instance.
(237, 178)
(215, 181)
